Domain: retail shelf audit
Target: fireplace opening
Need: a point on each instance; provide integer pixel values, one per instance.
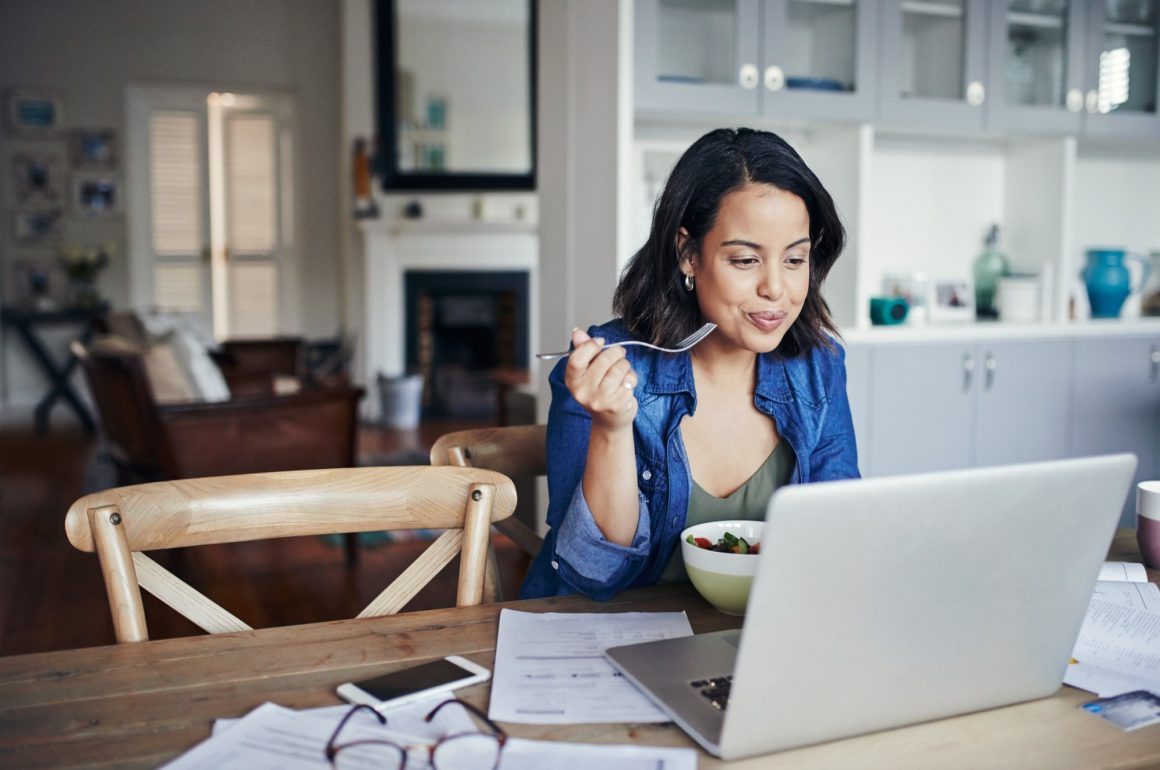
(464, 328)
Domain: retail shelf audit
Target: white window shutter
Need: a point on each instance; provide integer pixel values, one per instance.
(251, 184)
(175, 183)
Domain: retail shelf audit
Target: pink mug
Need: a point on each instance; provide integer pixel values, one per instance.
(1148, 521)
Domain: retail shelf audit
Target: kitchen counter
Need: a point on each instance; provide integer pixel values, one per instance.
(983, 331)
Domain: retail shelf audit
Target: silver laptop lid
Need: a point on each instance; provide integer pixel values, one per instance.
(889, 601)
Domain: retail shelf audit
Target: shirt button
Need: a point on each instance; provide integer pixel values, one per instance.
(646, 475)
(555, 564)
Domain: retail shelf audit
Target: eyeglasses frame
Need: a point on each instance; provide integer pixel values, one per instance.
(498, 733)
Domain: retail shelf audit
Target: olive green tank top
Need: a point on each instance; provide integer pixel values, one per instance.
(748, 501)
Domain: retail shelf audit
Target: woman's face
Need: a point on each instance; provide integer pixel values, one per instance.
(752, 275)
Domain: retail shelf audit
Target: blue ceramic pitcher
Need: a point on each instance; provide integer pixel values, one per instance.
(1108, 281)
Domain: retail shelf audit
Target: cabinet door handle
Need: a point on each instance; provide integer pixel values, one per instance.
(747, 77)
(975, 93)
(1155, 364)
(990, 364)
(1074, 100)
(968, 371)
(774, 78)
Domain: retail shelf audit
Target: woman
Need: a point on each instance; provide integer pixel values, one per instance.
(641, 443)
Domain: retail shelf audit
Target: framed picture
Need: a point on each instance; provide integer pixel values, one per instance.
(95, 194)
(33, 112)
(39, 178)
(911, 286)
(954, 300)
(33, 227)
(94, 148)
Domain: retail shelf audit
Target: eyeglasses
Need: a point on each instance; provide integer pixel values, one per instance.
(458, 751)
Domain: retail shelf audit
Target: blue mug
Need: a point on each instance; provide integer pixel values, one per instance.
(888, 311)
(1108, 281)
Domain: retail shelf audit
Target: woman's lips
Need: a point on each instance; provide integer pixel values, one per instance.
(767, 321)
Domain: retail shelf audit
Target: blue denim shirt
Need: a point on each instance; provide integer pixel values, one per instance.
(805, 396)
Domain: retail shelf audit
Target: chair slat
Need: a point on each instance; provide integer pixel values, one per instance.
(429, 563)
(205, 613)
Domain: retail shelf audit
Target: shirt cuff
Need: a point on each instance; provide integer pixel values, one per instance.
(582, 545)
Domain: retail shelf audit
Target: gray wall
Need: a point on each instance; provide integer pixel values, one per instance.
(89, 51)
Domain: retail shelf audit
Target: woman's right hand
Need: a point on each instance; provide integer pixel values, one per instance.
(602, 381)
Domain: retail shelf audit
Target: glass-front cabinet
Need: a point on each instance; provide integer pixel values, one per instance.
(797, 58)
(697, 56)
(1074, 66)
(1036, 65)
(932, 63)
(1121, 70)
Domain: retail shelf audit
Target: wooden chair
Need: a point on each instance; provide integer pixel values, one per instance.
(517, 451)
(120, 523)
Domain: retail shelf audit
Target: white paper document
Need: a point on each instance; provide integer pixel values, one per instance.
(1118, 650)
(1142, 596)
(275, 738)
(407, 720)
(272, 737)
(550, 667)
(1123, 571)
(520, 754)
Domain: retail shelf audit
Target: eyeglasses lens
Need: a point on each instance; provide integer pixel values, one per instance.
(473, 751)
(369, 756)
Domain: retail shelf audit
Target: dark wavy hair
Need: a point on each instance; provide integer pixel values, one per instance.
(651, 299)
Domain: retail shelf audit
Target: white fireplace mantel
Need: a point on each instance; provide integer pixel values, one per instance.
(392, 247)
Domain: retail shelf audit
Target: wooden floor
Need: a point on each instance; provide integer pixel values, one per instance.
(52, 597)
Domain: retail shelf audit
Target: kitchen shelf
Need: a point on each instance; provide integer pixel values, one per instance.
(1130, 30)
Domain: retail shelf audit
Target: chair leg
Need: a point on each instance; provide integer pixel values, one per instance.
(350, 545)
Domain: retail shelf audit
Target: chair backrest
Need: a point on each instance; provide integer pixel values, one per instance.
(251, 366)
(516, 451)
(124, 400)
(122, 522)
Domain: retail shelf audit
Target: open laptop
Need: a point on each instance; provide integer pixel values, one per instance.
(888, 601)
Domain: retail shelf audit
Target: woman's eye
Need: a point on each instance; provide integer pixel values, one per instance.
(743, 261)
(796, 261)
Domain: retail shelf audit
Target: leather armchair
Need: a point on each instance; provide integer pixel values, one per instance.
(148, 441)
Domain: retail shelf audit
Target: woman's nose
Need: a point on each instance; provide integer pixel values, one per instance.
(772, 286)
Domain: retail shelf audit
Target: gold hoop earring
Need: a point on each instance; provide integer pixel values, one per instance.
(688, 283)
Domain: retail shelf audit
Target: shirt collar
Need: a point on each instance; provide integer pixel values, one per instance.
(673, 373)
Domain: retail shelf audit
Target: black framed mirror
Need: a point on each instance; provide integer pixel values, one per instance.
(456, 88)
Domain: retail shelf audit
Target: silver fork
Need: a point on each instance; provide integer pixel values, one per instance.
(680, 347)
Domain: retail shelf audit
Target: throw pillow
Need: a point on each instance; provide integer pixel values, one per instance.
(190, 345)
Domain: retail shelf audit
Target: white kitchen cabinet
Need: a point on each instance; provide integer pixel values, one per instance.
(747, 58)
(933, 63)
(1117, 404)
(858, 394)
(942, 406)
(1074, 67)
(921, 409)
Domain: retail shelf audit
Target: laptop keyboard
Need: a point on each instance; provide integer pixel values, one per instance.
(715, 689)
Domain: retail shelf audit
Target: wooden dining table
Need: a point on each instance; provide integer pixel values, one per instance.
(142, 704)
